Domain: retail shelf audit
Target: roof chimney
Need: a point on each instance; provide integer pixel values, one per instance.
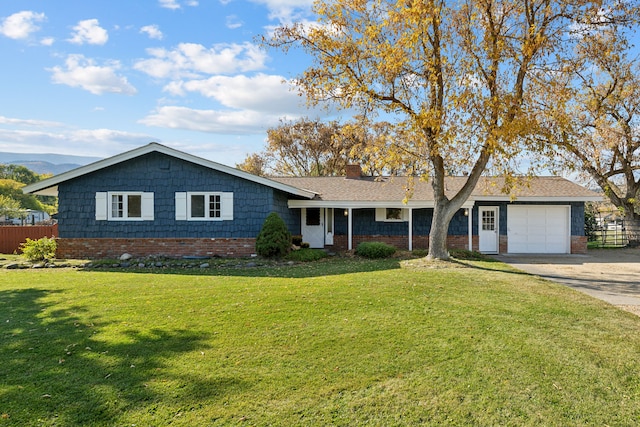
(353, 171)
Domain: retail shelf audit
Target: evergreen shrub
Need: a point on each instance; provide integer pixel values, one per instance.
(274, 240)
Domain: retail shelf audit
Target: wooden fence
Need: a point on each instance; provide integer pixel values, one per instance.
(12, 236)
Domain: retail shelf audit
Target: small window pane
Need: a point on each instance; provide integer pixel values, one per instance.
(488, 220)
(117, 206)
(394, 213)
(214, 206)
(313, 216)
(197, 206)
(134, 206)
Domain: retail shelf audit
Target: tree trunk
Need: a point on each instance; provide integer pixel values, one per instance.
(632, 228)
(443, 212)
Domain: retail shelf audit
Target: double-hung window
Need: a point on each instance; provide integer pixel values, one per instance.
(124, 206)
(204, 206)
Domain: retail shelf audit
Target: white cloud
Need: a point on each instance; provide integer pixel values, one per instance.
(28, 122)
(192, 60)
(89, 31)
(153, 31)
(38, 136)
(232, 22)
(261, 92)
(173, 4)
(21, 24)
(47, 41)
(84, 73)
(211, 121)
(169, 4)
(287, 11)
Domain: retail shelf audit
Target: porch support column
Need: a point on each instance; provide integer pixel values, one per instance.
(350, 228)
(410, 229)
(470, 227)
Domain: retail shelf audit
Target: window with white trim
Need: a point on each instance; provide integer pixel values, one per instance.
(391, 214)
(204, 206)
(124, 206)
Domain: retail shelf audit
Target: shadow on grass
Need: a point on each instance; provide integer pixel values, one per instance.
(55, 370)
(261, 268)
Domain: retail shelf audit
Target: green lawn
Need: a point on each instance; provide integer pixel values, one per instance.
(340, 342)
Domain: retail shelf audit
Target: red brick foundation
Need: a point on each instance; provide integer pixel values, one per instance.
(170, 248)
(578, 244)
(340, 243)
(244, 247)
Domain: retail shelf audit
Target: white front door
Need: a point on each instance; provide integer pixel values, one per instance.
(488, 230)
(313, 231)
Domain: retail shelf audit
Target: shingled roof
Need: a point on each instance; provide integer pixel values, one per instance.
(394, 189)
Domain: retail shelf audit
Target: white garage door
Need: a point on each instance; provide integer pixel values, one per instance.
(539, 229)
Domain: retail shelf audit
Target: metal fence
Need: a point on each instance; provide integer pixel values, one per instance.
(612, 234)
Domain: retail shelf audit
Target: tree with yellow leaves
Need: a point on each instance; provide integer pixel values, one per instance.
(592, 115)
(452, 74)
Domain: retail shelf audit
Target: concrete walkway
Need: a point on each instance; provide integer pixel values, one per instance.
(612, 275)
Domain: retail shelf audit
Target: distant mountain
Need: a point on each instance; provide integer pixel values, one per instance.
(46, 163)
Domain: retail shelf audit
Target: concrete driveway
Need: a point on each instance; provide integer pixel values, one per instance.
(612, 275)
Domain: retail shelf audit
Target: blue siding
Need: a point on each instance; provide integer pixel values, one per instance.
(364, 223)
(164, 176)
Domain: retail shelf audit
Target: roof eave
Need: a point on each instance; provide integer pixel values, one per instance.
(363, 204)
(539, 199)
(49, 186)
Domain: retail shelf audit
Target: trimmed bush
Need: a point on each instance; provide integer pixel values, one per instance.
(43, 249)
(274, 240)
(375, 250)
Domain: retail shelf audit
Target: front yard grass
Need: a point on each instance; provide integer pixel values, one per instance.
(343, 342)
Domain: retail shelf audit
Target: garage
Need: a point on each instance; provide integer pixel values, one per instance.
(538, 229)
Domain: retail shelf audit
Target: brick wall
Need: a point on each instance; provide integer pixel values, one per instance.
(171, 248)
(340, 243)
(578, 244)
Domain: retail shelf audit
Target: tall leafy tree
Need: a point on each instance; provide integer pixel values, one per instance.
(307, 147)
(18, 173)
(593, 118)
(454, 75)
(9, 208)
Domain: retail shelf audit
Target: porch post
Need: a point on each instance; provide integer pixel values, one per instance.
(410, 229)
(469, 227)
(350, 228)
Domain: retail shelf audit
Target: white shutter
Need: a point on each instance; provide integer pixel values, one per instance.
(101, 206)
(381, 214)
(226, 201)
(147, 206)
(181, 206)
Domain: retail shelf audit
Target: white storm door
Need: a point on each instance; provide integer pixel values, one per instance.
(328, 226)
(313, 231)
(488, 229)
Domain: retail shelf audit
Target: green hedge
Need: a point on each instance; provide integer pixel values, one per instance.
(375, 250)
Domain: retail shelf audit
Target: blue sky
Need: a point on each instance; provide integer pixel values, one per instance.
(99, 77)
